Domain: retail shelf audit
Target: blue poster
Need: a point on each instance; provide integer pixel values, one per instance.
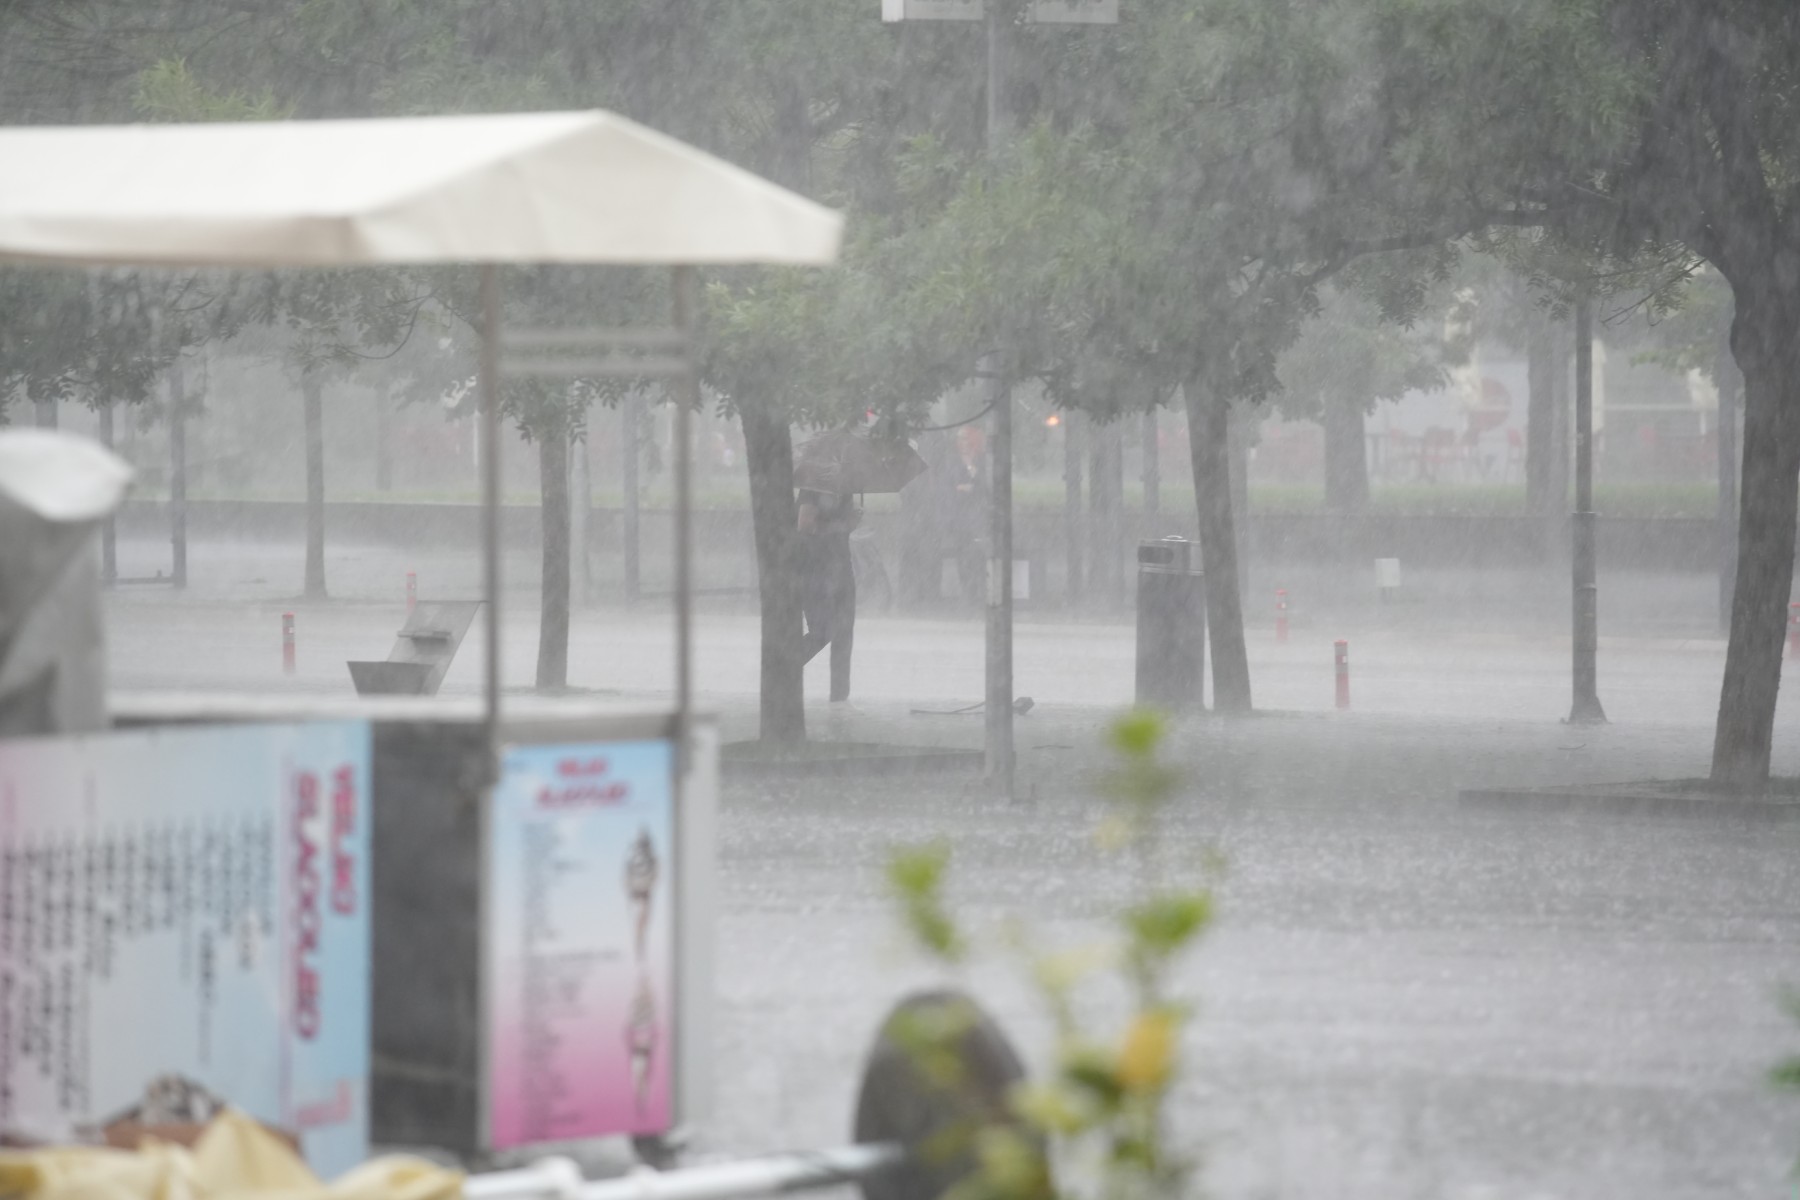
(184, 924)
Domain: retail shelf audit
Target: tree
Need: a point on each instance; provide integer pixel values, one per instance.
(1654, 132)
(1345, 362)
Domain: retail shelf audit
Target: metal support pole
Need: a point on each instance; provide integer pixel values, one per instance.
(178, 541)
(488, 379)
(631, 418)
(999, 760)
(109, 529)
(1152, 472)
(775, 1175)
(999, 757)
(1585, 709)
(687, 398)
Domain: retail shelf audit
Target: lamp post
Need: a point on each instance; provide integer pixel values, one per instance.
(1585, 709)
(999, 756)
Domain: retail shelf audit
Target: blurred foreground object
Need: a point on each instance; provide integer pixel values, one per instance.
(56, 490)
(232, 1156)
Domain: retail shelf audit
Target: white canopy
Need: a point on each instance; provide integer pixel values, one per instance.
(571, 187)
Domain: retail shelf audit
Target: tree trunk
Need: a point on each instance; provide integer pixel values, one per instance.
(1731, 385)
(1761, 334)
(1152, 470)
(1540, 407)
(1209, 433)
(1073, 548)
(769, 454)
(1346, 458)
(581, 519)
(1240, 425)
(384, 441)
(553, 610)
(313, 401)
(1106, 504)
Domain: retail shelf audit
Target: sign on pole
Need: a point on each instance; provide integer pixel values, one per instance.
(184, 923)
(1040, 12)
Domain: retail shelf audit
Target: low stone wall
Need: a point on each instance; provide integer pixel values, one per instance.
(1666, 544)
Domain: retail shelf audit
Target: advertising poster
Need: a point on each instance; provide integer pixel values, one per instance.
(579, 945)
(184, 924)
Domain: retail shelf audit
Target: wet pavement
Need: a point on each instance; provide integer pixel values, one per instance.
(1402, 997)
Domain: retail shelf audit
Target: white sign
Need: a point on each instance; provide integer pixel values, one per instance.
(1041, 12)
(184, 923)
(580, 943)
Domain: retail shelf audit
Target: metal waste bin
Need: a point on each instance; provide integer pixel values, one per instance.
(1171, 623)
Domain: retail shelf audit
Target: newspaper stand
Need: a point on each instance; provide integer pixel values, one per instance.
(564, 188)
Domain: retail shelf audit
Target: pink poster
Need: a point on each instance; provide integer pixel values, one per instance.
(578, 943)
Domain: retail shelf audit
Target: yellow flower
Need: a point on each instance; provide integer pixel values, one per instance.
(1148, 1056)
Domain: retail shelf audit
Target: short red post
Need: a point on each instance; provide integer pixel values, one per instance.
(1343, 673)
(412, 590)
(1281, 614)
(287, 643)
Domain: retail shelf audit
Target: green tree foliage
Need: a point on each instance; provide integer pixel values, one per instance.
(1348, 359)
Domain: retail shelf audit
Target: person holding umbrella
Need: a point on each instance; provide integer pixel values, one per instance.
(828, 471)
(828, 588)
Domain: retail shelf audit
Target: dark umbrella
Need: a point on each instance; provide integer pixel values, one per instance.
(852, 463)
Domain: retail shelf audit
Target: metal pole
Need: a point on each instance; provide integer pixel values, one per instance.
(631, 417)
(687, 398)
(1152, 473)
(999, 757)
(1725, 374)
(773, 1176)
(178, 542)
(999, 760)
(109, 530)
(1585, 709)
(488, 379)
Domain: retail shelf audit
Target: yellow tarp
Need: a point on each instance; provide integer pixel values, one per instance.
(235, 1159)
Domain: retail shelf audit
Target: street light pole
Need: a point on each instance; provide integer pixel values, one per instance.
(999, 759)
(1586, 708)
(994, 366)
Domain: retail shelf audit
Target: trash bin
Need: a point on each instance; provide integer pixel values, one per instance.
(1171, 623)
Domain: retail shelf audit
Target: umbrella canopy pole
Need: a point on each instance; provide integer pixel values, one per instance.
(488, 380)
(687, 397)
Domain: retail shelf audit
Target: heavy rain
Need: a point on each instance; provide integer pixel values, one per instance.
(1006, 599)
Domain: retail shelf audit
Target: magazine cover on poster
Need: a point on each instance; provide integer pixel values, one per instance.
(579, 943)
(184, 924)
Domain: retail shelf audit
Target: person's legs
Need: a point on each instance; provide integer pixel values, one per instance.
(816, 606)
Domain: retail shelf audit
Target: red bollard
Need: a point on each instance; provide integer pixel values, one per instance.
(1281, 614)
(1343, 673)
(412, 590)
(287, 643)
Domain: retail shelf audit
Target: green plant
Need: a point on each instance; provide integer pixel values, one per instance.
(1100, 1114)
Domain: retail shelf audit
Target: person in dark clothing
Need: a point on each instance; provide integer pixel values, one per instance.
(968, 481)
(828, 587)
